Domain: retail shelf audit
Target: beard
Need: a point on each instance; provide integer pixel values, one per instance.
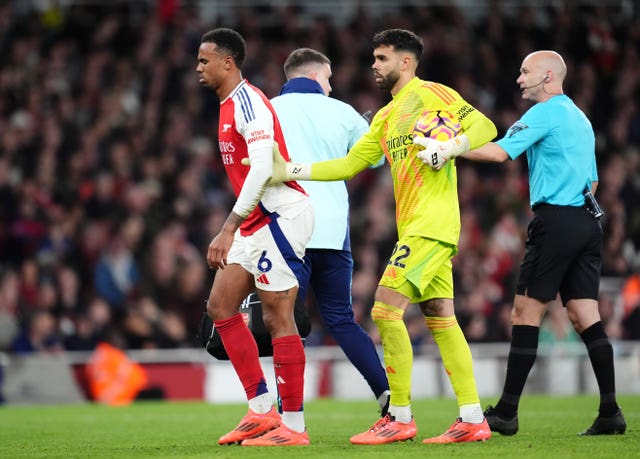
(389, 81)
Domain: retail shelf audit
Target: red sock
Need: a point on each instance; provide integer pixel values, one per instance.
(242, 350)
(288, 363)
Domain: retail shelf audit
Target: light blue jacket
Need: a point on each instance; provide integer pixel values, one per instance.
(318, 128)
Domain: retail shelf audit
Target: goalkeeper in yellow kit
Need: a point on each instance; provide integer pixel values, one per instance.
(428, 222)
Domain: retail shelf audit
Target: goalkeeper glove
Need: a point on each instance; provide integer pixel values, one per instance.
(436, 153)
(284, 171)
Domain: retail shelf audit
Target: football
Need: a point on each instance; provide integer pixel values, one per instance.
(439, 125)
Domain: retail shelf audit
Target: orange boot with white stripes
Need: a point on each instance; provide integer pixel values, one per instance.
(252, 425)
(461, 432)
(386, 430)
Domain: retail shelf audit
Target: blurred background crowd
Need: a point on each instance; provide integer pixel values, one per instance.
(111, 185)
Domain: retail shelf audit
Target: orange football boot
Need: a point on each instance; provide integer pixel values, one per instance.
(252, 425)
(386, 430)
(282, 436)
(463, 432)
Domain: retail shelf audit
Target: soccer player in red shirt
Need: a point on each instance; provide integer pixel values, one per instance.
(260, 247)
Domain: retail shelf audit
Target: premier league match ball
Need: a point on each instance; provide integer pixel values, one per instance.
(438, 125)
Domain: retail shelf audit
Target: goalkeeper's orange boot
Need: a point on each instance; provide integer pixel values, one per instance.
(463, 432)
(252, 425)
(386, 430)
(282, 436)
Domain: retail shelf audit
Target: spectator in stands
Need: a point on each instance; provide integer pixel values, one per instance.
(40, 335)
(9, 326)
(117, 274)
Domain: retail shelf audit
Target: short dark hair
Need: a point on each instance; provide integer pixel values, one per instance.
(228, 40)
(401, 40)
(301, 57)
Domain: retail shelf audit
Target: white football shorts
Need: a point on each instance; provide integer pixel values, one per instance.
(274, 253)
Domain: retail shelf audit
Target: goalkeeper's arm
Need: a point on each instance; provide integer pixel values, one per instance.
(481, 131)
(324, 171)
(343, 168)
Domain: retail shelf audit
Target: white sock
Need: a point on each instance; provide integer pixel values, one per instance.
(294, 420)
(471, 413)
(261, 404)
(384, 398)
(401, 413)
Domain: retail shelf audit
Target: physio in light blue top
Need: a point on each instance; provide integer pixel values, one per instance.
(560, 146)
(317, 128)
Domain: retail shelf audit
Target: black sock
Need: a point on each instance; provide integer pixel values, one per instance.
(522, 355)
(601, 356)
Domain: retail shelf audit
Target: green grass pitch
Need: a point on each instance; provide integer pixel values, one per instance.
(548, 428)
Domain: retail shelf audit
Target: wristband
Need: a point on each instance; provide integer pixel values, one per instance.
(298, 171)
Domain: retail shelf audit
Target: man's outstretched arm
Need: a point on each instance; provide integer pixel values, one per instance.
(324, 171)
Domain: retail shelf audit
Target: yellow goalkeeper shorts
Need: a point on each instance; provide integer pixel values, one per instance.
(420, 269)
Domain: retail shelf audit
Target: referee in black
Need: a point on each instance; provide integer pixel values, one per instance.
(564, 241)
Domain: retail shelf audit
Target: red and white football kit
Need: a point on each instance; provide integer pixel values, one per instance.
(271, 241)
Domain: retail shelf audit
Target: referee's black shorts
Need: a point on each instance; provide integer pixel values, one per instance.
(562, 255)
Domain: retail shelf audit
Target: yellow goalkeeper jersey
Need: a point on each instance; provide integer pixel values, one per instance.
(426, 200)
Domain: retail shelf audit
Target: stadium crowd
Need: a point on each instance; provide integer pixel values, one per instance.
(111, 185)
